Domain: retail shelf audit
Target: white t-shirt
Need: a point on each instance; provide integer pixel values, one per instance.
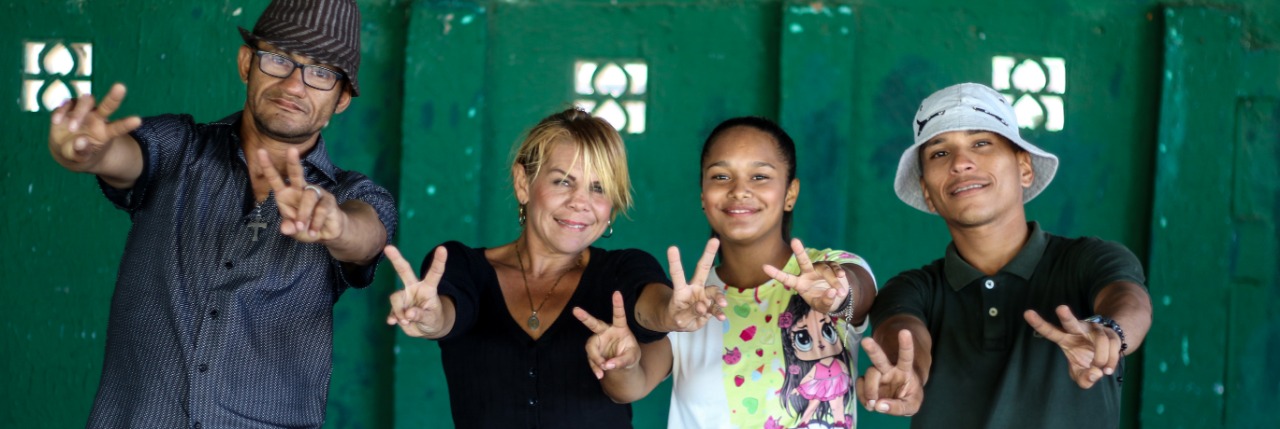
(733, 374)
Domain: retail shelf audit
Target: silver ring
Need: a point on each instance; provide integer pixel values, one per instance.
(319, 195)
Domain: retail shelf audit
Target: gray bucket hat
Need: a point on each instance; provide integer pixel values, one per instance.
(966, 106)
(328, 31)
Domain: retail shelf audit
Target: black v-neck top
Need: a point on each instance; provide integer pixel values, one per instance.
(500, 377)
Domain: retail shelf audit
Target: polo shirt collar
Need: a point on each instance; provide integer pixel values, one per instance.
(959, 273)
(317, 158)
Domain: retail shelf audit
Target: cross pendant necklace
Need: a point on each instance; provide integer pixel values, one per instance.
(257, 224)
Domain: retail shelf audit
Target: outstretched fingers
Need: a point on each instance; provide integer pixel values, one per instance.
(112, 101)
(269, 171)
(906, 351)
(595, 357)
(1043, 327)
(781, 276)
(592, 323)
(706, 262)
(75, 117)
(401, 300)
(802, 256)
(879, 359)
(677, 268)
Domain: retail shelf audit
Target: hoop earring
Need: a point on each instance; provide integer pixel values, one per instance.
(521, 217)
(609, 233)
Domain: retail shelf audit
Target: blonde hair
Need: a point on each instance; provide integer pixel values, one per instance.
(596, 144)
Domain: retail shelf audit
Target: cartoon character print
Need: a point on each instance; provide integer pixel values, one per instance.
(816, 379)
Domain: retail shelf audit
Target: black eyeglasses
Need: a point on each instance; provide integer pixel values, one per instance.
(280, 66)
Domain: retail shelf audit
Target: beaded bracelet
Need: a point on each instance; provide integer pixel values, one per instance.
(1108, 322)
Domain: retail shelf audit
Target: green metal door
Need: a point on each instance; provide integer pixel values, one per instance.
(480, 74)
(1216, 338)
(1079, 54)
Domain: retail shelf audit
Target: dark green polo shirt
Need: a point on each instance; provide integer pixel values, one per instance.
(990, 369)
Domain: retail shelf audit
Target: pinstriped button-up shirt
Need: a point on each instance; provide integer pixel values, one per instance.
(210, 327)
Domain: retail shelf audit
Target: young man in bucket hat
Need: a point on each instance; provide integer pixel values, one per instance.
(964, 342)
(244, 234)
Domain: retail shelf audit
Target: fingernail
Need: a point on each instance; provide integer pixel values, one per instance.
(73, 126)
(871, 405)
(884, 408)
(1108, 371)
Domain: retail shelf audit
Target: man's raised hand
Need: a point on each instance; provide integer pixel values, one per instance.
(1092, 350)
(891, 388)
(80, 134)
(823, 285)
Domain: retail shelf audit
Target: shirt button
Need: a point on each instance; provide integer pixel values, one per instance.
(213, 313)
(204, 367)
(228, 264)
(993, 312)
(532, 373)
(990, 284)
(533, 402)
(196, 426)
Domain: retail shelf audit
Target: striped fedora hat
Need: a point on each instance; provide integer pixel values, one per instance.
(328, 31)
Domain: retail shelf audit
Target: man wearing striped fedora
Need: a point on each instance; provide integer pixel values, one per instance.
(961, 342)
(244, 234)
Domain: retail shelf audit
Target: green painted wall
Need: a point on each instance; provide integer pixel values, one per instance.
(450, 85)
(63, 240)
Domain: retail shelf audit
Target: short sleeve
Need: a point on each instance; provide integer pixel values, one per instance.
(162, 140)
(906, 293)
(459, 283)
(355, 186)
(637, 269)
(1105, 262)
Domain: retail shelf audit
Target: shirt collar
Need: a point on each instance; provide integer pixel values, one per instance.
(317, 158)
(959, 273)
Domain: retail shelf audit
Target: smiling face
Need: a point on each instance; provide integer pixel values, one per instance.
(286, 109)
(745, 190)
(566, 204)
(974, 178)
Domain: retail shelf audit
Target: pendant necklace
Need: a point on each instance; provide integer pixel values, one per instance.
(257, 224)
(533, 322)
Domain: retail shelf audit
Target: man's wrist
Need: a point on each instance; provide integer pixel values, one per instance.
(1110, 324)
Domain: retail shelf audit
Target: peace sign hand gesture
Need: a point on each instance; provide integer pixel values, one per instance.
(1092, 350)
(823, 285)
(611, 346)
(894, 389)
(80, 135)
(309, 213)
(417, 308)
(693, 302)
